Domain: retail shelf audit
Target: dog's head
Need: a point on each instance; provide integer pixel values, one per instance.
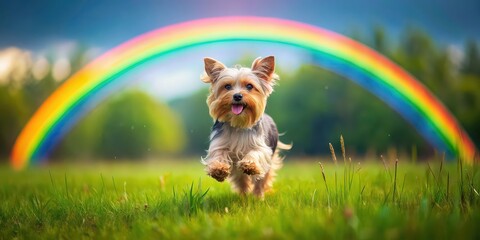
(238, 96)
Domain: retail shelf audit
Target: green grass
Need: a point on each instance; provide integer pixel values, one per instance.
(166, 199)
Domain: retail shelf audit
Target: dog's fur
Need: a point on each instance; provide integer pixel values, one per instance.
(244, 143)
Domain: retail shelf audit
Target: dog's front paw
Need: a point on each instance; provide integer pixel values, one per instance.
(249, 168)
(218, 170)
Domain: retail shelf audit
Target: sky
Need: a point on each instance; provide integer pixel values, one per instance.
(61, 25)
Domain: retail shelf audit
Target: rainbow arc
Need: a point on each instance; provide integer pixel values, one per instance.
(338, 53)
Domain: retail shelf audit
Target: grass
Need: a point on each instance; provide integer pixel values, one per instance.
(175, 199)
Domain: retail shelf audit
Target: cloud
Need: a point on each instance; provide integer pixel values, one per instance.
(61, 69)
(15, 65)
(40, 68)
(456, 55)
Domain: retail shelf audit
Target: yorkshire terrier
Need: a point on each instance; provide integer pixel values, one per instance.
(244, 145)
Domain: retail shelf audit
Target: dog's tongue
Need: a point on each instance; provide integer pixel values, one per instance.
(237, 108)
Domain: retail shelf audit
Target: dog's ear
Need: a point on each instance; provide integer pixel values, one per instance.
(212, 70)
(264, 68)
(255, 62)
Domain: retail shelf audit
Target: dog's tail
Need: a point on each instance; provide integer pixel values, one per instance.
(284, 146)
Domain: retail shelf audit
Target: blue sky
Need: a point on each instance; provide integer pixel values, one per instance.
(40, 26)
(32, 24)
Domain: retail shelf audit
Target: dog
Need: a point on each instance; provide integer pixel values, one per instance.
(244, 142)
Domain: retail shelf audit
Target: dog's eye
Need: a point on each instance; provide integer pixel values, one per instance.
(249, 86)
(228, 87)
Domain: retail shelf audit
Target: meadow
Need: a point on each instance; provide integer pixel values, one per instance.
(174, 199)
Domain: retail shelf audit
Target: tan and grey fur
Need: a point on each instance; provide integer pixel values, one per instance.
(244, 147)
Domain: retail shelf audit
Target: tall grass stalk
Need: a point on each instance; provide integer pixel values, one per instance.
(332, 152)
(334, 158)
(346, 173)
(385, 166)
(342, 193)
(342, 144)
(114, 186)
(448, 187)
(326, 185)
(462, 192)
(395, 181)
(66, 185)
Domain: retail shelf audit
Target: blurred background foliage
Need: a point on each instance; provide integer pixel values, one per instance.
(130, 125)
(312, 106)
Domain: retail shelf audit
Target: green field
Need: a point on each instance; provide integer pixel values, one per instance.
(175, 199)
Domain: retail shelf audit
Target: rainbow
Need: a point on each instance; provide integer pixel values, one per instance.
(333, 51)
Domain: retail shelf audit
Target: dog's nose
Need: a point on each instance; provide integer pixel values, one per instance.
(237, 96)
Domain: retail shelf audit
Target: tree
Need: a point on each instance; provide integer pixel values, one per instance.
(380, 41)
(471, 64)
(196, 119)
(314, 107)
(14, 114)
(130, 125)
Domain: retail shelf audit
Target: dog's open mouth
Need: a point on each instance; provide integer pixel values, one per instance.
(237, 108)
